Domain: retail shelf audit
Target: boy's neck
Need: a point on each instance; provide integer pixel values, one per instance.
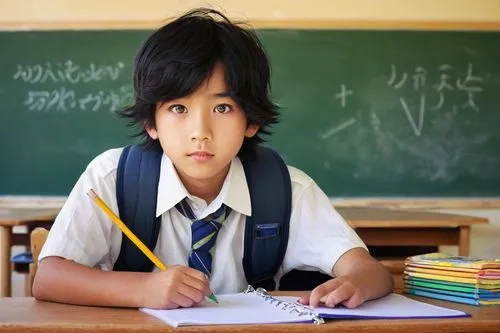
(206, 189)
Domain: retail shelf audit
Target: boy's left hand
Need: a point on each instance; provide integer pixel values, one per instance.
(359, 277)
(341, 290)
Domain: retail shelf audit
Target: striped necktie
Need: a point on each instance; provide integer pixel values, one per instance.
(203, 235)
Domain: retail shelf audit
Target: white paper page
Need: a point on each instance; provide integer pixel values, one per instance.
(232, 309)
(390, 306)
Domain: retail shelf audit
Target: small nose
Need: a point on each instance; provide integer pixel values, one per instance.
(201, 126)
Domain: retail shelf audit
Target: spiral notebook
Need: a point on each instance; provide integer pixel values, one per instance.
(258, 307)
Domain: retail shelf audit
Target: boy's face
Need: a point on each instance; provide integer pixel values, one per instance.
(201, 133)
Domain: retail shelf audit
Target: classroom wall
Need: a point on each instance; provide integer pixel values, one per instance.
(26, 13)
(485, 239)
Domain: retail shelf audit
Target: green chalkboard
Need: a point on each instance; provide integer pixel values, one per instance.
(365, 113)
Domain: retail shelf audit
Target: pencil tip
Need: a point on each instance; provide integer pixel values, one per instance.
(213, 298)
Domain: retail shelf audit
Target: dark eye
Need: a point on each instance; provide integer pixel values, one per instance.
(177, 108)
(222, 108)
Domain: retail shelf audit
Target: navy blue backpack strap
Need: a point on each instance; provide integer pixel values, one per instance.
(266, 231)
(136, 193)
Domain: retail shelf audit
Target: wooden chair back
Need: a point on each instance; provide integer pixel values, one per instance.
(38, 237)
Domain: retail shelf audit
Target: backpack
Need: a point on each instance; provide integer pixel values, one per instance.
(266, 231)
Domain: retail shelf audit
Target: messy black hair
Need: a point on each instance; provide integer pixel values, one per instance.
(175, 60)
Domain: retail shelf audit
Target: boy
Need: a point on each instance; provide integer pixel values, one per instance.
(201, 96)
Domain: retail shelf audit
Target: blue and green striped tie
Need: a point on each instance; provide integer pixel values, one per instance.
(203, 235)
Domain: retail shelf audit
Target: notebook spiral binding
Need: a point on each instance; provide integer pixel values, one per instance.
(294, 308)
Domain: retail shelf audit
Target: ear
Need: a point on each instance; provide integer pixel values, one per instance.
(153, 134)
(252, 129)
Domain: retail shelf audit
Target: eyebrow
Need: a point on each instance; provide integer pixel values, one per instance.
(222, 94)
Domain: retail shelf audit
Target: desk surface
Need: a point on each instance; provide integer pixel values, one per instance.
(369, 217)
(28, 315)
(11, 217)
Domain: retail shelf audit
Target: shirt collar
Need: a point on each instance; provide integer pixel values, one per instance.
(234, 192)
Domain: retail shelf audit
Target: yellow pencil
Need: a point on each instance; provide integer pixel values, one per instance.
(131, 235)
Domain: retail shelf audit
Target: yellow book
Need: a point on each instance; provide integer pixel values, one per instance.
(457, 269)
(477, 274)
(483, 302)
(445, 260)
(473, 281)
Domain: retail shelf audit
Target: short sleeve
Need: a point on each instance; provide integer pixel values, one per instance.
(82, 232)
(318, 234)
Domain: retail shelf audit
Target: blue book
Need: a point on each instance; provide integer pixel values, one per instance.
(450, 298)
(492, 297)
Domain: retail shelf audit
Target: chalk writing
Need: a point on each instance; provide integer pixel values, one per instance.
(471, 84)
(342, 95)
(419, 78)
(444, 77)
(67, 72)
(63, 100)
(338, 128)
(392, 79)
(375, 121)
(417, 128)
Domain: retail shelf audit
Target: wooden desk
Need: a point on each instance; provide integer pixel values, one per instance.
(9, 218)
(28, 315)
(391, 227)
(398, 227)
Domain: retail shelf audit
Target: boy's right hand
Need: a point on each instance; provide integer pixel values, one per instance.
(178, 286)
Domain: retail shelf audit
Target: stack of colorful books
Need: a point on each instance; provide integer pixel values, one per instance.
(457, 279)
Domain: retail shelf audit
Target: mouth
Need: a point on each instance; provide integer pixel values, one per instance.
(201, 156)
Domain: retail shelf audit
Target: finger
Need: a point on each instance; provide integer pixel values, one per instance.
(194, 278)
(199, 282)
(304, 299)
(180, 299)
(353, 302)
(194, 273)
(339, 295)
(168, 305)
(322, 290)
(192, 294)
(193, 288)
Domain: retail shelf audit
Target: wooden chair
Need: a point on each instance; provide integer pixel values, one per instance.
(38, 237)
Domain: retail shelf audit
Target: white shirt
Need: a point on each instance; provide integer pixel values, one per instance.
(82, 233)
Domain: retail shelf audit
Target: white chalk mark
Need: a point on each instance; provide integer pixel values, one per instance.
(416, 129)
(393, 75)
(339, 128)
(422, 112)
(402, 82)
